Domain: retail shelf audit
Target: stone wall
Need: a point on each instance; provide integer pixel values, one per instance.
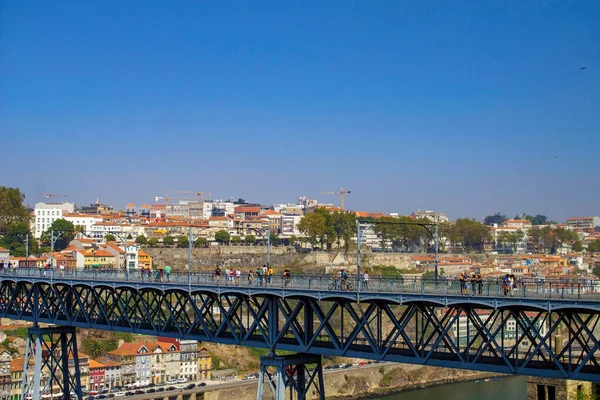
(558, 389)
(254, 256)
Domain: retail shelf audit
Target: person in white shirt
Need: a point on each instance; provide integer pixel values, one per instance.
(366, 281)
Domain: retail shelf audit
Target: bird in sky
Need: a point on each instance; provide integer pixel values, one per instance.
(582, 68)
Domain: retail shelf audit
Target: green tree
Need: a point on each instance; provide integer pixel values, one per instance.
(236, 240)
(12, 210)
(93, 347)
(344, 227)
(596, 271)
(61, 227)
(313, 226)
(201, 242)
(222, 236)
(293, 240)
(183, 241)
(153, 242)
(250, 240)
(468, 233)
(14, 240)
(274, 239)
(536, 220)
(594, 247)
(141, 240)
(495, 219)
(110, 238)
(386, 229)
(577, 246)
(169, 241)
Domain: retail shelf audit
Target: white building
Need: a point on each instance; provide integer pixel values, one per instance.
(289, 225)
(47, 213)
(217, 208)
(86, 221)
(466, 329)
(431, 215)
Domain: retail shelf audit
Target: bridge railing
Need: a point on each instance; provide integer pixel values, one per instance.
(548, 288)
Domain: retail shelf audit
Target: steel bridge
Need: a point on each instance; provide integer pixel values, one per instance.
(542, 328)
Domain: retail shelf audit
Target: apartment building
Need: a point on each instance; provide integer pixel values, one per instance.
(125, 356)
(97, 374)
(46, 213)
(83, 221)
(112, 372)
(583, 223)
(188, 356)
(430, 215)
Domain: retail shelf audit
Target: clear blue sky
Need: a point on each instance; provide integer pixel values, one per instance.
(466, 107)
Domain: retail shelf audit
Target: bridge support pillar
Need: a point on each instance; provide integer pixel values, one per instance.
(291, 373)
(53, 352)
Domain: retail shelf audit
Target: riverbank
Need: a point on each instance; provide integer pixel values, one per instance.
(364, 382)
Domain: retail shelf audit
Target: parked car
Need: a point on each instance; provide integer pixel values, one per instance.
(120, 394)
(170, 388)
(129, 394)
(151, 390)
(139, 391)
(202, 384)
(180, 387)
(171, 381)
(100, 397)
(190, 386)
(182, 380)
(160, 389)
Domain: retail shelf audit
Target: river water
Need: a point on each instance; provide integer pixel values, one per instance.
(512, 388)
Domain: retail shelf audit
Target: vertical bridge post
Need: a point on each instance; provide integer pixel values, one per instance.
(293, 372)
(51, 350)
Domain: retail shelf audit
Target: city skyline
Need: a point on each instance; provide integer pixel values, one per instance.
(465, 109)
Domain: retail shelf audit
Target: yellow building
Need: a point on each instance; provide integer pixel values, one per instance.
(204, 364)
(100, 259)
(144, 260)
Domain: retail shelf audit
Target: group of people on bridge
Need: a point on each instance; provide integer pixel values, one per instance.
(263, 275)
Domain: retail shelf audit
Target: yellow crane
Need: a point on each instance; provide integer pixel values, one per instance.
(342, 193)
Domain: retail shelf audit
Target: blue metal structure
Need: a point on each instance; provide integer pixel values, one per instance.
(544, 328)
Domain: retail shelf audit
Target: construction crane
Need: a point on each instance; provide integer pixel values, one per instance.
(341, 192)
(49, 195)
(199, 194)
(166, 197)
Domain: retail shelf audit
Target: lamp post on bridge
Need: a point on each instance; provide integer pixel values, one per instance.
(426, 226)
(268, 240)
(53, 240)
(191, 240)
(125, 255)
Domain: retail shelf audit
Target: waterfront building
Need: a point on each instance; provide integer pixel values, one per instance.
(97, 373)
(204, 364)
(112, 372)
(125, 355)
(188, 356)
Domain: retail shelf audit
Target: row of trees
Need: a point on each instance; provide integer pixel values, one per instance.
(324, 228)
(222, 237)
(499, 218)
(466, 233)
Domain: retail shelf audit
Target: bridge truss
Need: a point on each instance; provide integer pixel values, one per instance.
(519, 337)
